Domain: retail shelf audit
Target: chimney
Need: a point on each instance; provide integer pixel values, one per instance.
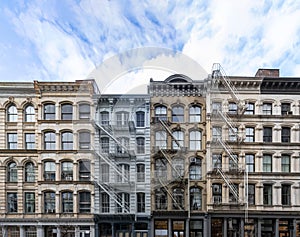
(267, 73)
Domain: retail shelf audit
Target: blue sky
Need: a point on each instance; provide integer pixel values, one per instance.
(66, 40)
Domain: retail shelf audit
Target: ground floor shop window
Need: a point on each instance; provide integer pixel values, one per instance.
(30, 231)
(267, 228)
(196, 228)
(216, 227)
(50, 231)
(178, 228)
(123, 230)
(249, 228)
(13, 231)
(141, 229)
(285, 228)
(161, 228)
(85, 231)
(233, 227)
(105, 230)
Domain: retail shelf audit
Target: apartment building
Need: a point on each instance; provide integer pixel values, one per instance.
(178, 144)
(122, 165)
(46, 160)
(253, 155)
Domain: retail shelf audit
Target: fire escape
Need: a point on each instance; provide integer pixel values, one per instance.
(117, 179)
(221, 84)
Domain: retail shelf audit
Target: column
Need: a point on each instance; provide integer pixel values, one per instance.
(40, 231)
(225, 227)
(58, 234)
(22, 231)
(276, 228)
(77, 231)
(259, 228)
(242, 226)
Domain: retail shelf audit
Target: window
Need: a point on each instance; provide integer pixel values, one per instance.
(104, 144)
(285, 163)
(216, 133)
(105, 173)
(216, 107)
(234, 193)
(250, 163)
(84, 140)
(250, 108)
(195, 140)
(285, 108)
(249, 134)
(84, 111)
(140, 142)
(140, 119)
(49, 202)
(122, 119)
(160, 113)
(84, 202)
(195, 114)
(29, 202)
(233, 162)
(122, 149)
(161, 168)
(285, 134)
(12, 172)
(12, 141)
(233, 134)
(195, 198)
(232, 108)
(123, 175)
(67, 171)
(30, 231)
(217, 193)
(267, 163)
(29, 114)
(178, 140)
(49, 111)
(286, 194)
(123, 199)
(140, 202)
(84, 170)
(140, 169)
(195, 168)
(267, 194)
(105, 203)
(161, 200)
(67, 141)
(29, 141)
(251, 194)
(67, 202)
(12, 202)
(178, 201)
(161, 139)
(217, 161)
(66, 111)
(267, 109)
(178, 167)
(104, 118)
(49, 171)
(267, 134)
(177, 114)
(49, 141)
(12, 114)
(196, 228)
(29, 172)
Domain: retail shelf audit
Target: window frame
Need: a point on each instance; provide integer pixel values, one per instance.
(29, 141)
(285, 134)
(140, 173)
(267, 134)
(285, 163)
(267, 108)
(66, 171)
(49, 202)
(12, 172)
(140, 119)
(179, 136)
(178, 114)
(66, 112)
(285, 108)
(195, 114)
(84, 203)
(250, 162)
(51, 113)
(49, 168)
(195, 137)
(84, 144)
(249, 134)
(161, 113)
(161, 139)
(29, 113)
(267, 164)
(29, 172)
(195, 198)
(105, 203)
(267, 194)
(104, 118)
(140, 145)
(67, 202)
(83, 112)
(250, 110)
(12, 141)
(67, 140)
(161, 199)
(49, 140)
(141, 204)
(251, 194)
(29, 202)
(12, 113)
(286, 195)
(84, 170)
(12, 202)
(195, 169)
(232, 108)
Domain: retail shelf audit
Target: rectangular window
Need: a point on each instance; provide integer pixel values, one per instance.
(216, 133)
(12, 202)
(216, 107)
(250, 163)
(84, 111)
(12, 141)
(66, 112)
(105, 173)
(84, 170)
(267, 134)
(285, 134)
(140, 172)
(232, 108)
(250, 108)
(122, 119)
(249, 134)
(267, 108)
(251, 194)
(286, 194)
(217, 161)
(140, 202)
(233, 134)
(217, 193)
(29, 203)
(234, 193)
(140, 142)
(267, 163)
(84, 140)
(105, 203)
(267, 194)
(49, 111)
(285, 108)
(84, 202)
(104, 118)
(140, 119)
(29, 141)
(285, 163)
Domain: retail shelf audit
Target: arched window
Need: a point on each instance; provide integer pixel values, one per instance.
(125, 144)
(67, 170)
(124, 200)
(49, 202)
(67, 202)
(178, 139)
(177, 114)
(84, 111)
(49, 141)
(49, 111)
(178, 201)
(29, 114)
(66, 111)
(67, 141)
(123, 175)
(12, 172)
(122, 118)
(12, 113)
(195, 168)
(195, 198)
(104, 118)
(161, 139)
(178, 168)
(195, 114)
(49, 171)
(160, 113)
(84, 202)
(195, 140)
(161, 168)
(29, 172)
(161, 199)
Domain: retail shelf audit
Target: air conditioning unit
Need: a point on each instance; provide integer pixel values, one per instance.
(289, 112)
(50, 211)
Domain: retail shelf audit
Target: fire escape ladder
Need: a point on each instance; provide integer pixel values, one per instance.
(230, 124)
(112, 193)
(165, 125)
(170, 162)
(230, 185)
(228, 151)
